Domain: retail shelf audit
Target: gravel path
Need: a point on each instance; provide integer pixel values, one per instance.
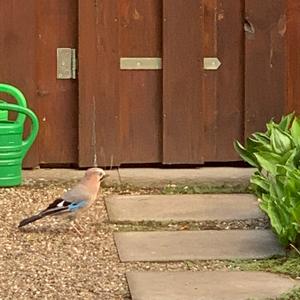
(48, 260)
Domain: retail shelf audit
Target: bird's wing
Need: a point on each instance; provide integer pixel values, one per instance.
(57, 207)
(77, 193)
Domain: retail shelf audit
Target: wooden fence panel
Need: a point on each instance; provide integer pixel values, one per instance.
(265, 65)
(140, 90)
(223, 88)
(182, 82)
(18, 56)
(99, 129)
(58, 99)
(293, 57)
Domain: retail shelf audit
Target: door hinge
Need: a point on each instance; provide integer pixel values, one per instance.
(66, 63)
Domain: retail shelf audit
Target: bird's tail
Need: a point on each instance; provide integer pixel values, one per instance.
(31, 219)
(47, 212)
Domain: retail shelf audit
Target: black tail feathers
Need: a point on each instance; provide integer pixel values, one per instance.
(47, 212)
(30, 220)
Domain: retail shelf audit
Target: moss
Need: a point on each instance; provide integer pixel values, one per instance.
(294, 294)
(288, 265)
(204, 189)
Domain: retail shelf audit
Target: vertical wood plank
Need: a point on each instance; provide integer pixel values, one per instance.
(182, 82)
(223, 88)
(140, 90)
(58, 99)
(293, 56)
(18, 55)
(265, 69)
(230, 84)
(98, 83)
(210, 79)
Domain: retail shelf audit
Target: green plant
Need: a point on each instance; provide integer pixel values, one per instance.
(276, 155)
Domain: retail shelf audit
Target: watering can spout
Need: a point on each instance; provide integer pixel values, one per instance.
(12, 146)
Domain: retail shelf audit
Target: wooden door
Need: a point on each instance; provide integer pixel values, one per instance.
(203, 110)
(120, 111)
(30, 33)
(178, 115)
(56, 25)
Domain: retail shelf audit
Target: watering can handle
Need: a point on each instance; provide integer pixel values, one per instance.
(34, 123)
(17, 94)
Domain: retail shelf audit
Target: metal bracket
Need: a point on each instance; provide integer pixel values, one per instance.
(140, 63)
(66, 63)
(211, 63)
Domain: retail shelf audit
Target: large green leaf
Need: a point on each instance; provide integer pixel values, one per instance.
(268, 161)
(263, 137)
(296, 213)
(245, 155)
(260, 181)
(256, 145)
(280, 140)
(296, 161)
(295, 131)
(285, 122)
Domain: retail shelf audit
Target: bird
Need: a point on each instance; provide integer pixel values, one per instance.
(75, 201)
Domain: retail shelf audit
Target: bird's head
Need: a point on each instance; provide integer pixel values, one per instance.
(96, 173)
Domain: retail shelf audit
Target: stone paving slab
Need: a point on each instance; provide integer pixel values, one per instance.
(152, 177)
(196, 245)
(216, 285)
(182, 207)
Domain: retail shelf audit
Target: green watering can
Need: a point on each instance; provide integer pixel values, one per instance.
(12, 146)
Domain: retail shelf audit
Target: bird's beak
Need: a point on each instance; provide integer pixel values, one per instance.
(105, 175)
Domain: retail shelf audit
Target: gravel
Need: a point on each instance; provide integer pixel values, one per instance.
(48, 260)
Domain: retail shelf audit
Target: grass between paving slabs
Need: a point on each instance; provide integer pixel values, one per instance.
(289, 265)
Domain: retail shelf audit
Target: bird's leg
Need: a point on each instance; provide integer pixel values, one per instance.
(74, 224)
(78, 225)
(76, 229)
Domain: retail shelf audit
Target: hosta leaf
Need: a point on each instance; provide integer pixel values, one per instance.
(264, 203)
(270, 126)
(253, 145)
(268, 161)
(245, 155)
(285, 122)
(276, 190)
(296, 213)
(274, 216)
(296, 161)
(260, 181)
(281, 141)
(295, 131)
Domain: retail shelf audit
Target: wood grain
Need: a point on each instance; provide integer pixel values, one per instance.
(18, 56)
(99, 108)
(140, 35)
(223, 88)
(58, 99)
(182, 82)
(293, 57)
(265, 64)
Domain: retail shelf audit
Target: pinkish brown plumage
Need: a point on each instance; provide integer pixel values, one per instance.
(76, 200)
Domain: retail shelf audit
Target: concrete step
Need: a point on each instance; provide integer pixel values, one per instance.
(196, 245)
(153, 177)
(202, 207)
(207, 285)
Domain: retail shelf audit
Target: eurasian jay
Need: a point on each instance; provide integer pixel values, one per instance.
(75, 201)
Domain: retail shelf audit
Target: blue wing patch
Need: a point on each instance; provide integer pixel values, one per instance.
(76, 205)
